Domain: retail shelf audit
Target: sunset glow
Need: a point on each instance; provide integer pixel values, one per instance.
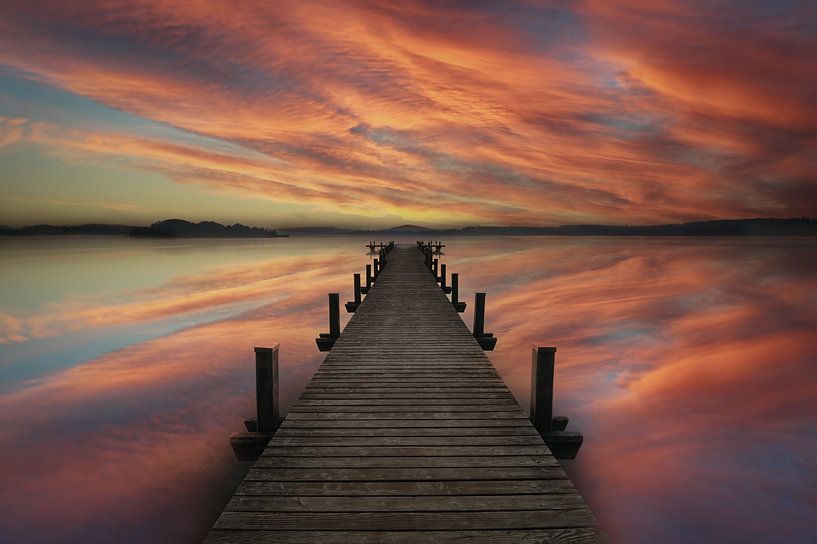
(379, 113)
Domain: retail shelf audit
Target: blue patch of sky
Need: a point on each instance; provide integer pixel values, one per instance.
(24, 96)
(631, 124)
(638, 334)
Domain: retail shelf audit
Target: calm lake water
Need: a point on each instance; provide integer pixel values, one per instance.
(688, 364)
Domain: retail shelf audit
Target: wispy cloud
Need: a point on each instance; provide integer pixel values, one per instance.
(543, 113)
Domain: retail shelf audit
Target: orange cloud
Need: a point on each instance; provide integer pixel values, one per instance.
(526, 114)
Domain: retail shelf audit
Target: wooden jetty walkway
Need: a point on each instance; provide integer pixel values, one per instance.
(406, 433)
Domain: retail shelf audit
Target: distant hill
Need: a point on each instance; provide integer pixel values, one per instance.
(171, 228)
(178, 228)
(409, 228)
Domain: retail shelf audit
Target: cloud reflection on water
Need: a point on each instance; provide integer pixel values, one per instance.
(688, 365)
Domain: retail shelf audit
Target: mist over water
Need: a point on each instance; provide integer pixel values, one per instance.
(688, 364)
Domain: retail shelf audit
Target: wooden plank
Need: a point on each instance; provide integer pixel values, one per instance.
(371, 461)
(291, 431)
(514, 536)
(405, 423)
(405, 521)
(419, 395)
(255, 503)
(415, 415)
(475, 409)
(372, 441)
(402, 451)
(402, 474)
(306, 402)
(404, 488)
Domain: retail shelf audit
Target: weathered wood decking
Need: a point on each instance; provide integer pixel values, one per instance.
(406, 434)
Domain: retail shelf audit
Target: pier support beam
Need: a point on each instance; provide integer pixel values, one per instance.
(444, 279)
(266, 389)
(249, 445)
(563, 444)
(326, 340)
(369, 280)
(352, 305)
(486, 340)
(455, 293)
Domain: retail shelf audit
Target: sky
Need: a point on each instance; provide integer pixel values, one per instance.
(374, 114)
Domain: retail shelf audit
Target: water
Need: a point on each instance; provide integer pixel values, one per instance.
(687, 363)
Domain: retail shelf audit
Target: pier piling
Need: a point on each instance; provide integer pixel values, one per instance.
(486, 339)
(563, 444)
(326, 340)
(352, 305)
(455, 293)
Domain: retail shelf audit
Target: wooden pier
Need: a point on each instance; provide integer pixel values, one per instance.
(406, 433)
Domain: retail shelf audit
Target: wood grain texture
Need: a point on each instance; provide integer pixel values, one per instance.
(406, 433)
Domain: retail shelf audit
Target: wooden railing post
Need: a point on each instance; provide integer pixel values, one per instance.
(368, 279)
(444, 279)
(247, 446)
(266, 389)
(351, 306)
(325, 340)
(541, 388)
(455, 293)
(334, 315)
(479, 314)
(486, 339)
(563, 444)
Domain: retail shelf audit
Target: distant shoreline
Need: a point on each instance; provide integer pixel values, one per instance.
(176, 228)
(171, 228)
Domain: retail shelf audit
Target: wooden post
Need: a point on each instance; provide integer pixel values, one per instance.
(368, 278)
(563, 444)
(455, 293)
(479, 314)
(249, 445)
(376, 267)
(351, 306)
(326, 340)
(444, 280)
(266, 389)
(541, 388)
(434, 266)
(334, 315)
(487, 340)
(455, 288)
